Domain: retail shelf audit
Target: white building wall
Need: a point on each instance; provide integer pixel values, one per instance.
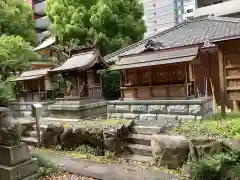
(160, 15)
(229, 8)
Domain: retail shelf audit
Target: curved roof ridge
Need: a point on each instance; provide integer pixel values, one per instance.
(224, 19)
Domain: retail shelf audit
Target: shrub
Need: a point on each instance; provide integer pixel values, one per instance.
(111, 84)
(217, 167)
(8, 90)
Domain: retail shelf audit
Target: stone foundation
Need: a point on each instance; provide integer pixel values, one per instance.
(24, 109)
(16, 163)
(160, 112)
(77, 109)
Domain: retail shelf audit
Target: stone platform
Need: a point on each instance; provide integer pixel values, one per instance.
(77, 108)
(24, 109)
(16, 163)
(159, 112)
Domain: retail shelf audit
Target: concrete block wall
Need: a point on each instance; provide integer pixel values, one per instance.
(160, 112)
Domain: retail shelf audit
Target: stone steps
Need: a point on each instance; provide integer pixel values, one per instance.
(142, 139)
(31, 141)
(140, 149)
(32, 133)
(33, 176)
(137, 157)
(149, 130)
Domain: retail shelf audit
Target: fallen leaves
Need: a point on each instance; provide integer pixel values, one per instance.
(65, 176)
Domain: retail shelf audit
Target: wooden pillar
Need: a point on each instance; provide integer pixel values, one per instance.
(168, 85)
(39, 90)
(150, 81)
(222, 83)
(121, 85)
(101, 85)
(78, 88)
(186, 78)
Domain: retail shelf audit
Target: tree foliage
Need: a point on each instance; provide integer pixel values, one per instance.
(16, 18)
(15, 55)
(111, 24)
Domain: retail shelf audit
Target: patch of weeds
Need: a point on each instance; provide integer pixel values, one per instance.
(175, 172)
(43, 171)
(228, 128)
(83, 152)
(115, 122)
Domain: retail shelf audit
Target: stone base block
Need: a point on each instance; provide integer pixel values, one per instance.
(33, 176)
(19, 171)
(14, 155)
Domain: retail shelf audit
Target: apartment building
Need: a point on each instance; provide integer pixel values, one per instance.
(41, 19)
(230, 8)
(160, 15)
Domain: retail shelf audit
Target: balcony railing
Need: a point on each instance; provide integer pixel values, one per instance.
(220, 9)
(39, 8)
(42, 23)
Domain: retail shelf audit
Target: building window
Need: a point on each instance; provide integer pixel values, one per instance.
(189, 10)
(216, 2)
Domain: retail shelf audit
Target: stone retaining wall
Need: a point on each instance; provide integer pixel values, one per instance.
(76, 110)
(24, 109)
(160, 112)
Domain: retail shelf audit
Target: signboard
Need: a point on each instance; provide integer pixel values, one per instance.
(37, 110)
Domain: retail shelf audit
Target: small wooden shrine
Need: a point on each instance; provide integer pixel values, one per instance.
(158, 74)
(35, 86)
(47, 51)
(80, 73)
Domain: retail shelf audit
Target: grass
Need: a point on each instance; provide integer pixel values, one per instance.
(212, 127)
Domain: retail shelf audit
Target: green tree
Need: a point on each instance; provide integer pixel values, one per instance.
(15, 55)
(111, 24)
(16, 18)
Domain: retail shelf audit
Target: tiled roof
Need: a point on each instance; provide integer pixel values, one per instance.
(189, 32)
(46, 43)
(32, 74)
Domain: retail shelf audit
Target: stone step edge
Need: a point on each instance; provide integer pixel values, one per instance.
(148, 130)
(139, 149)
(61, 120)
(145, 137)
(138, 158)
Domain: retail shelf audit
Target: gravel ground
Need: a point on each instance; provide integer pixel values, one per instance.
(65, 176)
(97, 122)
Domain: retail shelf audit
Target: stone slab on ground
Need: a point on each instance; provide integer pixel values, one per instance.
(19, 171)
(140, 149)
(140, 139)
(14, 155)
(136, 157)
(146, 130)
(104, 171)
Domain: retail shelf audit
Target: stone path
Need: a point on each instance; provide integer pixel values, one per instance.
(104, 171)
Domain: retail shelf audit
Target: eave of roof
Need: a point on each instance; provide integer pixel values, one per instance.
(81, 62)
(32, 74)
(156, 58)
(45, 43)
